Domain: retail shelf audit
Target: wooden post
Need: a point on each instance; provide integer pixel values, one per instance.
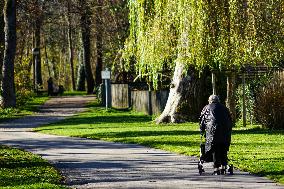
(244, 100)
(150, 111)
(214, 83)
(129, 96)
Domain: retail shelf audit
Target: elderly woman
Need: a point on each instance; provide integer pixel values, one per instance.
(216, 125)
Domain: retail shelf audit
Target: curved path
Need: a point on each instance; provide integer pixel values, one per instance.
(98, 164)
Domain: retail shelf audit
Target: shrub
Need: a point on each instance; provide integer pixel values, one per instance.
(23, 83)
(270, 103)
(23, 96)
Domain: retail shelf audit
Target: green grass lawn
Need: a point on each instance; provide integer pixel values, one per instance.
(253, 149)
(30, 107)
(74, 93)
(23, 170)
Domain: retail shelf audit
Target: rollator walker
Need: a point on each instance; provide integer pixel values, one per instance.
(208, 157)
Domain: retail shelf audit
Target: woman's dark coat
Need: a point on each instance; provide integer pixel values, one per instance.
(216, 124)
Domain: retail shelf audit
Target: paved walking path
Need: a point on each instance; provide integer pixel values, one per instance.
(98, 164)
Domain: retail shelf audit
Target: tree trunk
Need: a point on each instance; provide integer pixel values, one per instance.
(86, 35)
(231, 77)
(2, 37)
(46, 60)
(71, 49)
(8, 87)
(38, 74)
(214, 88)
(54, 72)
(244, 112)
(99, 63)
(188, 94)
(231, 91)
(81, 78)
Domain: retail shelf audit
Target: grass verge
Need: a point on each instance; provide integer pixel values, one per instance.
(23, 170)
(253, 149)
(31, 105)
(74, 93)
(28, 108)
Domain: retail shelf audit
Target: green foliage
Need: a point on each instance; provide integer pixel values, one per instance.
(23, 82)
(20, 169)
(270, 103)
(6, 113)
(253, 149)
(220, 34)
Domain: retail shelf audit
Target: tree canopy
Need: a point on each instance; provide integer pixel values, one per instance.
(221, 34)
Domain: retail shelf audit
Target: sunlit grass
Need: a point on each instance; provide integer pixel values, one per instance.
(20, 169)
(31, 105)
(28, 108)
(74, 93)
(253, 149)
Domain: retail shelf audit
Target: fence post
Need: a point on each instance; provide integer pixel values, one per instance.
(244, 100)
(150, 112)
(129, 96)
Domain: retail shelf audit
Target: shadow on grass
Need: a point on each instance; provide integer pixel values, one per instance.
(32, 107)
(272, 174)
(23, 164)
(27, 182)
(258, 131)
(106, 119)
(126, 134)
(157, 143)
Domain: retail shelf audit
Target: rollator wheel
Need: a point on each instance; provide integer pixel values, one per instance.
(200, 168)
(231, 170)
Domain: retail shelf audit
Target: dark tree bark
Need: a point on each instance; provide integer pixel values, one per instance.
(99, 33)
(8, 87)
(71, 49)
(2, 36)
(86, 35)
(188, 95)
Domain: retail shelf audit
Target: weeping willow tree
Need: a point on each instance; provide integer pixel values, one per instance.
(191, 35)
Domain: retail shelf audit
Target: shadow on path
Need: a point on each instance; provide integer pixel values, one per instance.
(98, 164)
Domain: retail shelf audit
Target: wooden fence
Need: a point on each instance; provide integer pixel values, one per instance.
(149, 102)
(120, 98)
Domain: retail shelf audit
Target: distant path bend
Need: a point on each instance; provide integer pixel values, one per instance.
(98, 164)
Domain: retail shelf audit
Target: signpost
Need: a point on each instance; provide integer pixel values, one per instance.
(106, 76)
